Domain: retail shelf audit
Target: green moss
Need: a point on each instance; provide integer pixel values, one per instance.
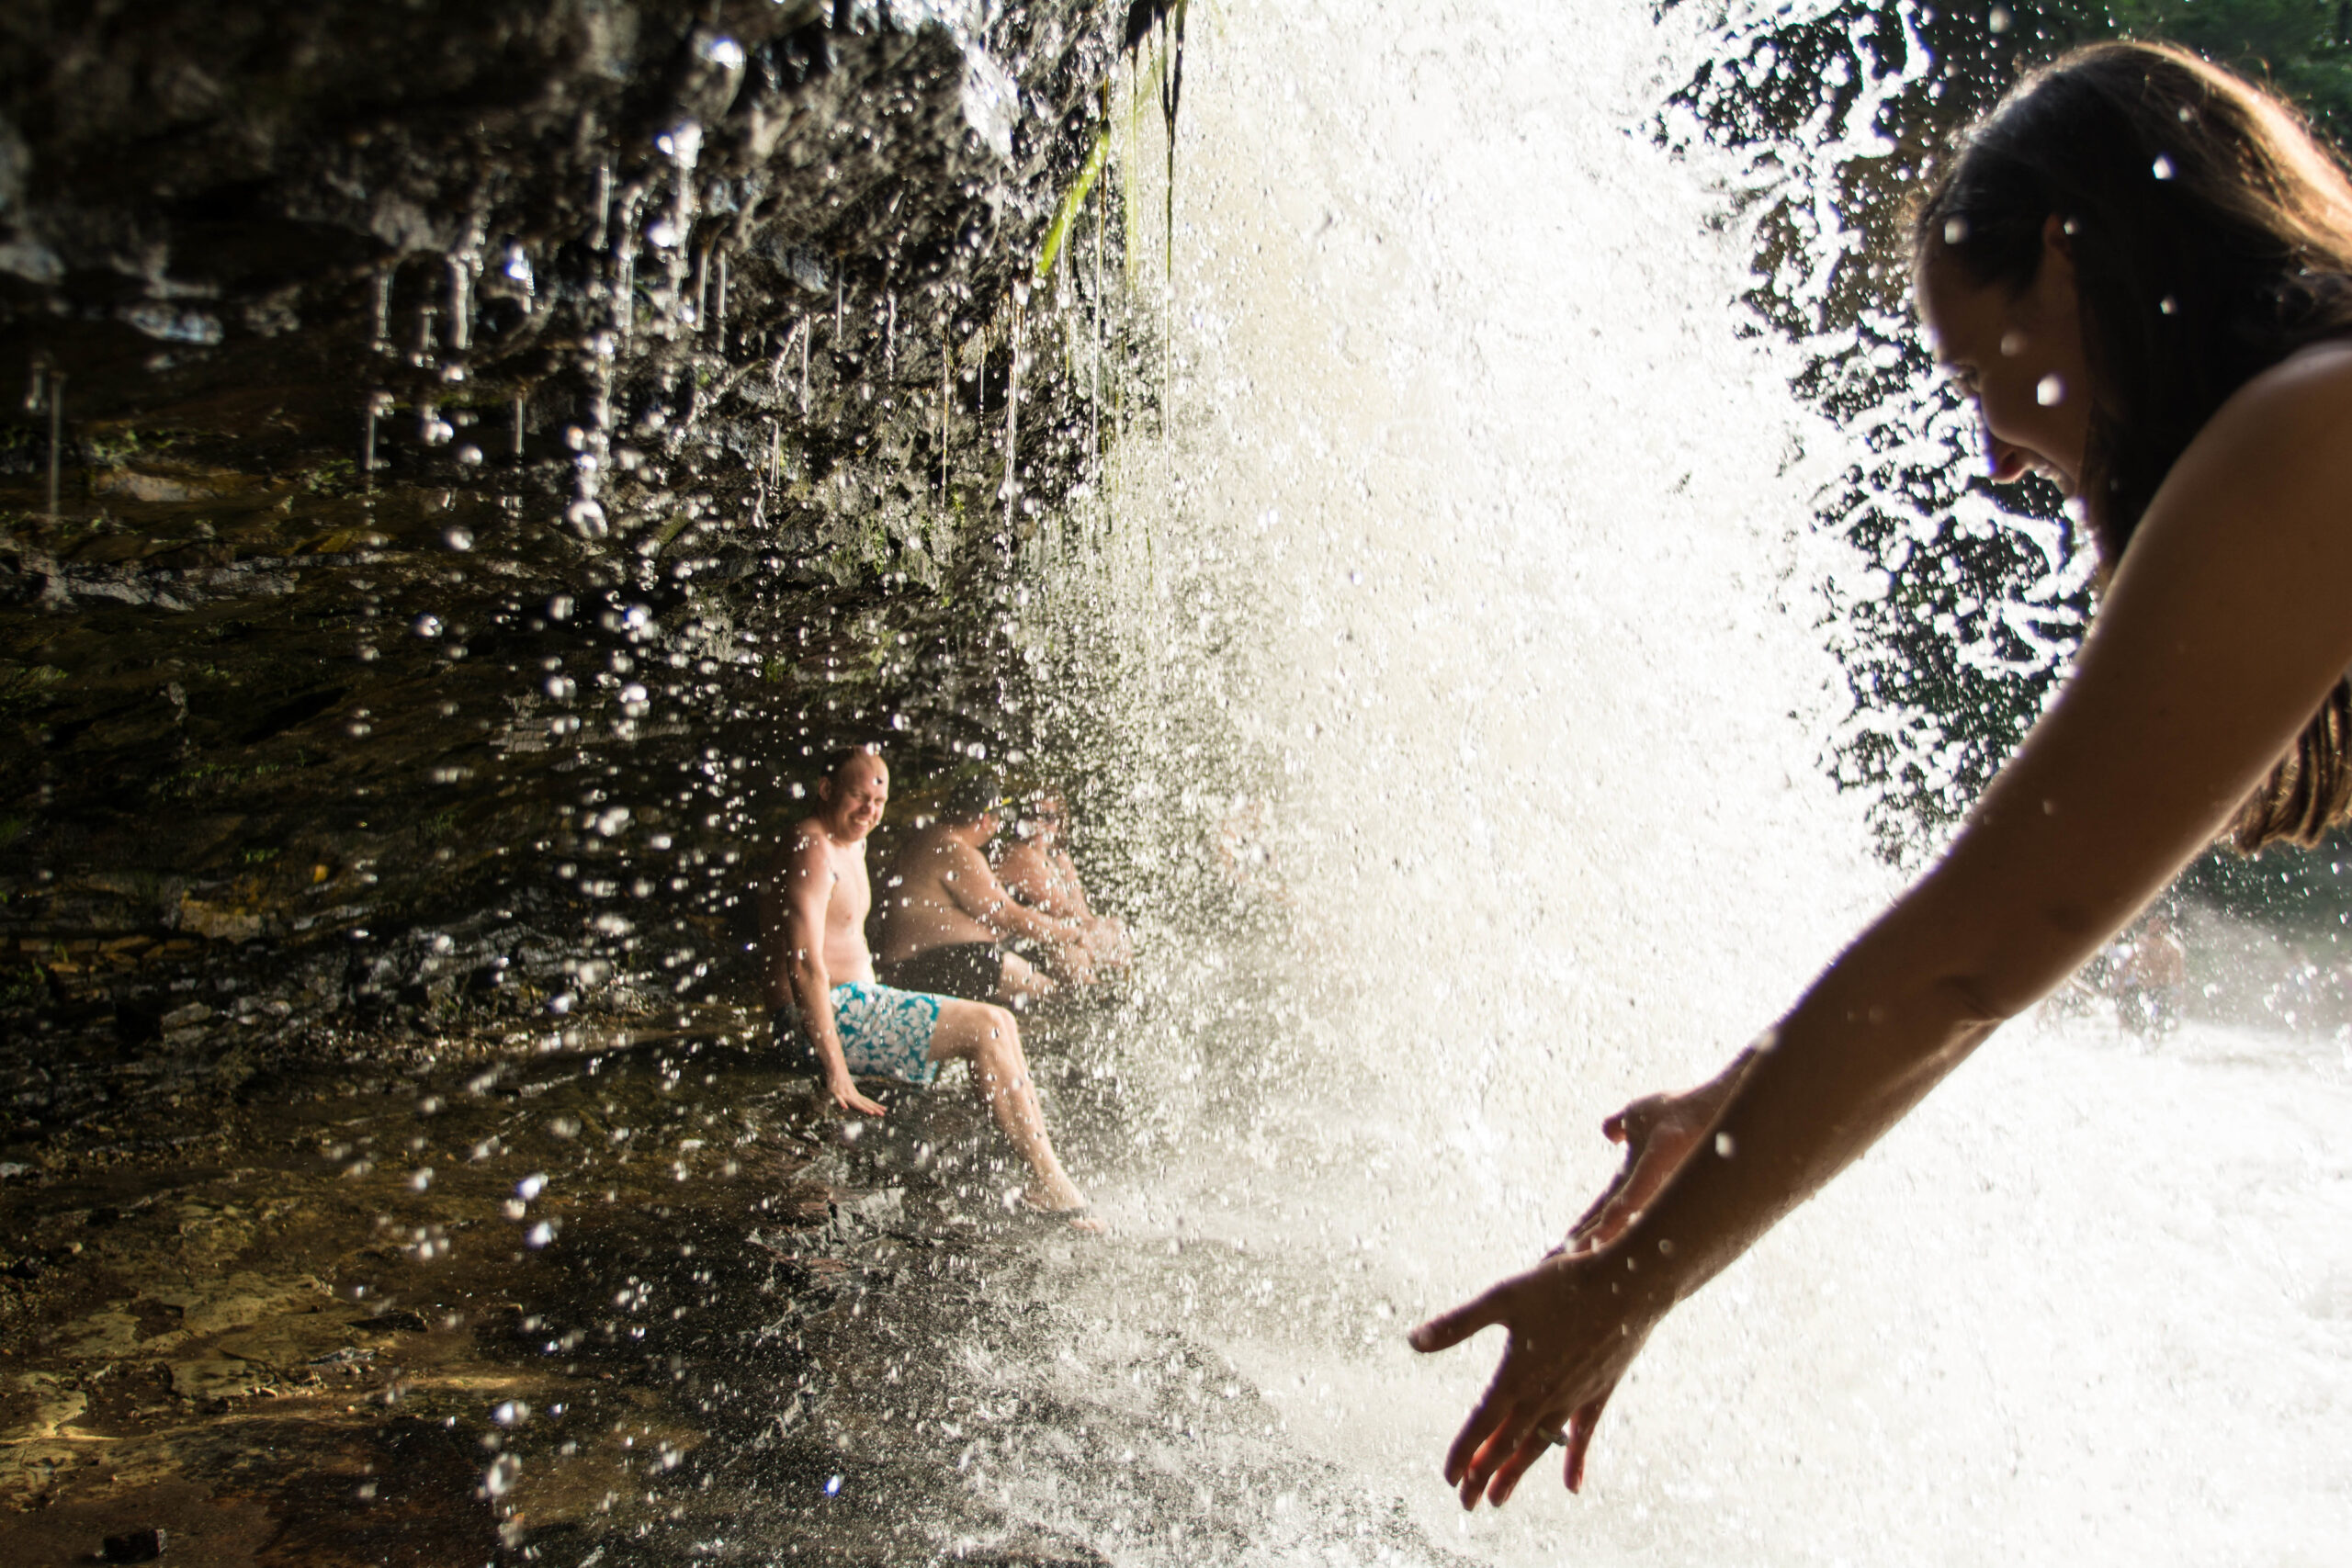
(211, 778)
(332, 474)
(22, 987)
(112, 448)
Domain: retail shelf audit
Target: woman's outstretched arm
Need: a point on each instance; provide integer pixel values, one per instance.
(2227, 624)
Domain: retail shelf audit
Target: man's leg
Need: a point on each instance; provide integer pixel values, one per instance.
(985, 1036)
(1020, 983)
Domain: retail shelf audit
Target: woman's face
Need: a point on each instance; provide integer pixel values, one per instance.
(2019, 356)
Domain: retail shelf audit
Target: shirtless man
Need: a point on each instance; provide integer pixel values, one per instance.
(944, 913)
(1037, 870)
(813, 903)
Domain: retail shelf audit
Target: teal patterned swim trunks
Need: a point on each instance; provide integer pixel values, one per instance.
(886, 1033)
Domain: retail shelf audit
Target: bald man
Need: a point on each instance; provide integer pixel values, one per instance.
(826, 1002)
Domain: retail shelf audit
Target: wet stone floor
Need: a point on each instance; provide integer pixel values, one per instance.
(573, 1300)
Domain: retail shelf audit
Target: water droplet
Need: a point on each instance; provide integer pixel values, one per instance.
(428, 624)
(560, 607)
(459, 538)
(2169, 305)
(531, 1186)
(588, 517)
(1723, 1146)
(470, 455)
(539, 1236)
(503, 1473)
(1955, 231)
(2161, 168)
(1998, 19)
(2050, 390)
(511, 1413)
(832, 1486)
(421, 1177)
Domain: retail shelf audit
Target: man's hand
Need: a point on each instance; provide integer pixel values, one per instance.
(846, 1097)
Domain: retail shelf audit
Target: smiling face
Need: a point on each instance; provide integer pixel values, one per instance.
(2019, 356)
(854, 799)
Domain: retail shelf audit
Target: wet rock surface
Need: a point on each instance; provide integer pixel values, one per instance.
(634, 1301)
(482, 1309)
(471, 460)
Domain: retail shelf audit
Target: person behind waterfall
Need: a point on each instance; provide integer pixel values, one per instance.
(944, 916)
(813, 902)
(2138, 267)
(1035, 868)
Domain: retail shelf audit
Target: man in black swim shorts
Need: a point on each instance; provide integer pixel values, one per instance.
(945, 914)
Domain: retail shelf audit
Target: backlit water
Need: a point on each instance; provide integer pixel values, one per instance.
(1484, 594)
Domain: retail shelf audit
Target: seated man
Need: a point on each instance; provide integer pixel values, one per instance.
(813, 903)
(943, 914)
(1036, 869)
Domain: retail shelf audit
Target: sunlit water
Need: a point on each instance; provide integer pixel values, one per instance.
(1474, 584)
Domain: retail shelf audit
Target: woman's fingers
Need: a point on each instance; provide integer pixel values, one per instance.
(1485, 1416)
(1580, 1426)
(1506, 1481)
(1658, 1131)
(1511, 1436)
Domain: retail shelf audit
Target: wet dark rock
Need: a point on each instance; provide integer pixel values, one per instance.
(135, 1546)
(680, 340)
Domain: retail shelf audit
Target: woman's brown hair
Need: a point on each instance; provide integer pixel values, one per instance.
(2211, 237)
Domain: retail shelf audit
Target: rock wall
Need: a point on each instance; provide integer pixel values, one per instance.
(472, 455)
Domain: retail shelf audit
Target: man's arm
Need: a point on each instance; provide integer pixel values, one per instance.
(973, 888)
(792, 909)
(1028, 874)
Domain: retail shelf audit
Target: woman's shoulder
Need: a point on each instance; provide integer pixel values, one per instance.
(2284, 430)
(2270, 473)
(2315, 378)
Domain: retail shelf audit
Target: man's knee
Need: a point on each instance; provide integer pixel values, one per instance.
(973, 1027)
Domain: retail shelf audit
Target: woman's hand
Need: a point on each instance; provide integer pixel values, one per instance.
(1659, 1132)
(1572, 1334)
(1575, 1326)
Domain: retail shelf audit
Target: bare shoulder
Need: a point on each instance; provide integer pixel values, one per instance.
(1020, 858)
(2277, 415)
(806, 850)
(2273, 467)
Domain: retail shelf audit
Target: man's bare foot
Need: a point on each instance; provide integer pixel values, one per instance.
(1068, 1200)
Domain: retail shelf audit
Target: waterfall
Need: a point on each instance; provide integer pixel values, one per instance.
(1453, 704)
